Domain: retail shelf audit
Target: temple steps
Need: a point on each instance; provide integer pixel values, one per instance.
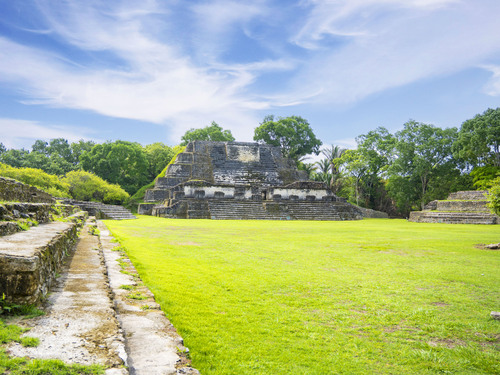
(303, 210)
(106, 211)
(238, 210)
(453, 217)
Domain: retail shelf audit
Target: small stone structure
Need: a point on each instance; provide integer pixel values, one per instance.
(32, 244)
(236, 180)
(462, 207)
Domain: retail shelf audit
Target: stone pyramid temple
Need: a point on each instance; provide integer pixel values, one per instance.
(235, 180)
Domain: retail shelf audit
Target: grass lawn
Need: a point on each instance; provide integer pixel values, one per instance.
(301, 297)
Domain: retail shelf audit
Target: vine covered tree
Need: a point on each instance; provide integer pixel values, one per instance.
(293, 134)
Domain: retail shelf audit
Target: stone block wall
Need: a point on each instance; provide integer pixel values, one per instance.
(14, 191)
(30, 260)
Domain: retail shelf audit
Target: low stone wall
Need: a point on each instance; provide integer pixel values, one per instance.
(15, 191)
(463, 206)
(453, 217)
(14, 215)
(30, 260)
(469, 195)
(372, 214)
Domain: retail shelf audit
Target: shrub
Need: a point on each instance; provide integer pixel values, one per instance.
(86, 186)
(37, 178)
(494, 196)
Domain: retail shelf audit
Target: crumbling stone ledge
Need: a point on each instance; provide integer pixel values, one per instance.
(30, 260)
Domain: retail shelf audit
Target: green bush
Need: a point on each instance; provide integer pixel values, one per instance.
(37, 178)
(483, 177)
(86, 186)
(494, 196)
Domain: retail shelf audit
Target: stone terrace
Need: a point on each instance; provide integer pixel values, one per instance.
(462, 207)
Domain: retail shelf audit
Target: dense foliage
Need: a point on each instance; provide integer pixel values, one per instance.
(56, 157)
(494, 196)
(86, 186)
(214, 132)
(478, 140)
(37, 178)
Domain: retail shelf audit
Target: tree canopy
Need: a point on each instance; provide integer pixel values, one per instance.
(292, 134)
(120, 162)
(214, 132)
(478, 141)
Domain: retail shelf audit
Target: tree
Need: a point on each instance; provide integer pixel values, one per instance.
(120, 162)
(329, 169)
(355, 164)
(14, 158)
(158, 155)
(209, 133)
(478, 141)
(2, 148)
(292, 134)
(423, 153)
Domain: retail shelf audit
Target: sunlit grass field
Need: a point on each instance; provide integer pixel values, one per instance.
(302, 297)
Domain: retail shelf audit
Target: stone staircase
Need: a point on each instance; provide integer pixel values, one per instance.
(461, 207)
(258, 210)
(239, 210)
(103, 211)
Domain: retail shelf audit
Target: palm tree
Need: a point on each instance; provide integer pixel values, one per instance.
(331, 154)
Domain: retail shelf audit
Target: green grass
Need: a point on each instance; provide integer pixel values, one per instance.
(300, 297)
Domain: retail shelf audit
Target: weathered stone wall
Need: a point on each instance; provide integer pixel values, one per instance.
(463, 206)
(14, 191)
(469, 195)
(30, 260)
(373, 214)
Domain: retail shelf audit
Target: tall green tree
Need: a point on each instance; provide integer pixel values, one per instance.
(158, 155)
(478, 141)
(120, 162)
(292, 134)
(423, 153)
(214, 132)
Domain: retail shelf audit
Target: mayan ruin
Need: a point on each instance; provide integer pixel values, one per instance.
(236, 180)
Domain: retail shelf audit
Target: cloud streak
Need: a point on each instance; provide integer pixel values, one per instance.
(16, 133)
(137, 60)
(365, 47)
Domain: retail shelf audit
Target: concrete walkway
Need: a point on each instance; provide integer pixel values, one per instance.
(98, 314)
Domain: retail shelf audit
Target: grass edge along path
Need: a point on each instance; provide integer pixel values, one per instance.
(21, 366)
(302, 297)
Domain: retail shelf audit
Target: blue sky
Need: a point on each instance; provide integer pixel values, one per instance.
(147, 71)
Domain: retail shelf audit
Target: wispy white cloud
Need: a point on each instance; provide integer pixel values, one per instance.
(367, 46)
(16, 133)
(493, 86)
(152, 82)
